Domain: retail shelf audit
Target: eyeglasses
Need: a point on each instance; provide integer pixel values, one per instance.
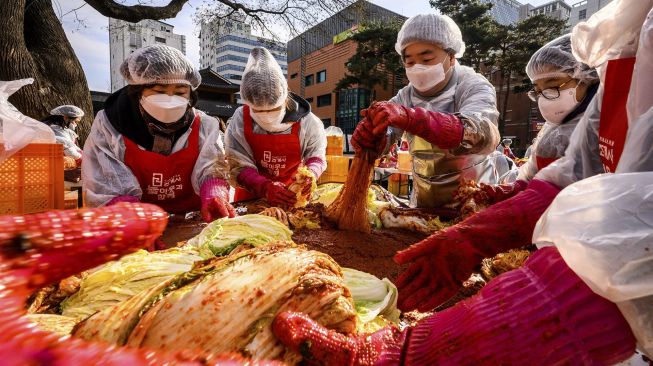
(549, 93)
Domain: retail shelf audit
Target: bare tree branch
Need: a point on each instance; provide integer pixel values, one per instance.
(136, 13)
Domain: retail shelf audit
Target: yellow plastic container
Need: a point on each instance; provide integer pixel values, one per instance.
(31, 180)
(404, 161)
(335, 145)
(337, 169)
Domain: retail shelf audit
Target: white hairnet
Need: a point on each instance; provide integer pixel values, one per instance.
(432, 28)
(263, 85)
(68, 111)
(159, 64)
(555, 59)
(506, 141)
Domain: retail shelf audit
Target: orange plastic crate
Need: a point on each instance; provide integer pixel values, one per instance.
(31, 180)
(337, 169)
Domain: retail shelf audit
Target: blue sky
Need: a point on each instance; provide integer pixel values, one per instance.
(87, 31)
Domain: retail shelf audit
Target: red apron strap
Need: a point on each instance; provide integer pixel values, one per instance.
(614, 117)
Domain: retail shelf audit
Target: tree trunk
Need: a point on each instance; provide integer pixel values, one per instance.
(33, 44)
(506, 95)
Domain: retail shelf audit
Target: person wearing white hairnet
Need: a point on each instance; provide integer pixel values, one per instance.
(589, 300)
(63, 121)
(272, 135)
(448, 112)
(149, 144)
(563, 89)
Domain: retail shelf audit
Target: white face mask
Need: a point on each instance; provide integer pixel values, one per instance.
(72, 126)
(425, 77)
(555, 111)
(165, 108)
(271, 121)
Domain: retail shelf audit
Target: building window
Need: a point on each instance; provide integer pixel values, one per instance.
(582, 14)
(324, 100)
(308, 80)
(293, 76)
(310, 99)
(321, 76)
(160, 40)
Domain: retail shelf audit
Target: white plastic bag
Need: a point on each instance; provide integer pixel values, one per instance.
(603, 228)
(16, 129)
(610, 33)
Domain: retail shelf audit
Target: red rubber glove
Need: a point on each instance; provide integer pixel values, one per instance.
(214, 194)
(440, 263)
(277, 194)
(444, 130)
(365, 139)
(321, 346)
(500, 192)
(540, 314)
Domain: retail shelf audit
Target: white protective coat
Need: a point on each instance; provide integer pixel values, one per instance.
(105, 175)
(470, 96)
(312, 140)
(603, 228)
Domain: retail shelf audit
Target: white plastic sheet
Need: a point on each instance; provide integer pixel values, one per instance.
(603, 228)
(333, 131)
(16, 129)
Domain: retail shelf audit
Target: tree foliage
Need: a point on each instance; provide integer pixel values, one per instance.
(375, 62)
(478, 28)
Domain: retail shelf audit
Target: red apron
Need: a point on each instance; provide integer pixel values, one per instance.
(543, 162)
(614, 118)
(165, 180)
(277, 156)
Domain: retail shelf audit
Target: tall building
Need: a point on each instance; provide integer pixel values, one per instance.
(582, 10)
(225, 45)
(504, 11)
(125, 38)
(557, 9)
(317, 60)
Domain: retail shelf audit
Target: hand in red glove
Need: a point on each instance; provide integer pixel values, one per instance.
(214, 194)
(540, 314)
(500, 192)
(277, 194)
(320, 346)
(365, 139)
(440, 263)
(444, 130)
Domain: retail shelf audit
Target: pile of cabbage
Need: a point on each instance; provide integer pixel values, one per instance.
(220, 292)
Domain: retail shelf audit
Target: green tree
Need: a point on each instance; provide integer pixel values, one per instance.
(375, 62)
(478, 28)
(514, 48)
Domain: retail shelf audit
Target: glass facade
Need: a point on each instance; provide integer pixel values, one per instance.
(350, 103)
(504, 11)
